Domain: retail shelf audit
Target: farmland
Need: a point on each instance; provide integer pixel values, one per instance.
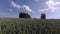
(29, 26)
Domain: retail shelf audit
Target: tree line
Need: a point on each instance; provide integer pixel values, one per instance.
(26, 15)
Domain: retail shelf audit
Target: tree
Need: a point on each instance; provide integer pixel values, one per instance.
(43, 16)
(24, 15)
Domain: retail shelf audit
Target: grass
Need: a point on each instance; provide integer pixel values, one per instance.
(34, 26)
(0, 32)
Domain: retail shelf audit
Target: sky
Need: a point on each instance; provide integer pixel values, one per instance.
(12, 8)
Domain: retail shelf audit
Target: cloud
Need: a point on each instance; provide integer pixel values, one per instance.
(18, 6)
(44, 9)
(15, 5)
(24, 7)
(52, 5)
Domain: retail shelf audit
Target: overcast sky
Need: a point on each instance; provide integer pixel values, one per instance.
(12, 8)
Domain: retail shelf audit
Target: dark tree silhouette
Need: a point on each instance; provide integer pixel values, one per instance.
(24, 15)
(43, 16)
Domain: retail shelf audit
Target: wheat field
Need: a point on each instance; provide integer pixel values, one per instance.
(29, 26)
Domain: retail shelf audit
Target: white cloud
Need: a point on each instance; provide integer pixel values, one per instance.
(52, 5)
(27, 8)
(24, 7)
(44, 9)
(15, 5)
(18, 6)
